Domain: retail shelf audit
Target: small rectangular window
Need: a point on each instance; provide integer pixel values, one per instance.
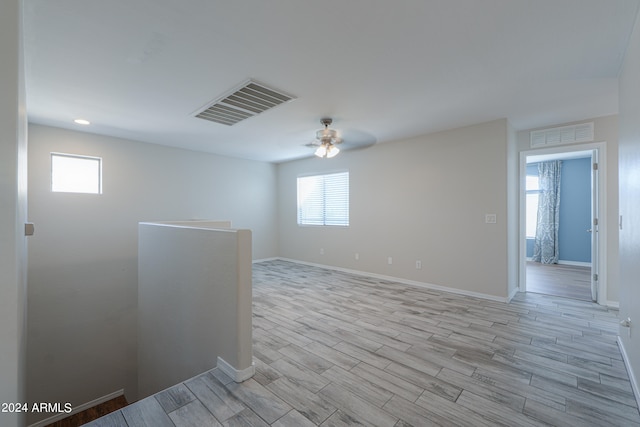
(72, 173)
(324, 199)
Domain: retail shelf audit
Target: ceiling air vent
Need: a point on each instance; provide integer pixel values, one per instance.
(250, 99)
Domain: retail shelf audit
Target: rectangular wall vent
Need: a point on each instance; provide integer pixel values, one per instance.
(562, 135)
(241, 103)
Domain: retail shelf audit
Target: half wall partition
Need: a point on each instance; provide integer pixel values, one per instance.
(194, 302)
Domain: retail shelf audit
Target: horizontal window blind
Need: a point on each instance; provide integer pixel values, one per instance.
(324, 199)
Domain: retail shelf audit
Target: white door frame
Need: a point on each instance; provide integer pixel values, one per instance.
(600, 193)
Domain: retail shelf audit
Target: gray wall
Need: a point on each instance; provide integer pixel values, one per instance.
(83, 259)
(13, 211)
(630, 203)
(418, 199)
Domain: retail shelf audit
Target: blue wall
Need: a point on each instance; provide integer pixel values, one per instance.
(575, 210)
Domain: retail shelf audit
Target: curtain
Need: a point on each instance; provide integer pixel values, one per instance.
(545, 248)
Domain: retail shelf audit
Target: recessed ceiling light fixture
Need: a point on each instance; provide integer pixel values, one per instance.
(82, 122)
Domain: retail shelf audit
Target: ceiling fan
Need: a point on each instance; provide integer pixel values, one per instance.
(327, 140)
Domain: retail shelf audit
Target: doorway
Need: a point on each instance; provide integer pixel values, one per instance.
(576, 271)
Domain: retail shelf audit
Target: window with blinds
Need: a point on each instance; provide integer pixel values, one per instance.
(324, 199)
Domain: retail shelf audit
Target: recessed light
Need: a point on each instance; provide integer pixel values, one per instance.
(82, 122)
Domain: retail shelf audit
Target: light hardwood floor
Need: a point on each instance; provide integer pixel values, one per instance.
(336, 349)
(560, 280)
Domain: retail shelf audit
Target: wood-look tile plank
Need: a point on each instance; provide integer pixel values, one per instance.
(491, 367)
(293, 419)
(362, 410)
(332, 355)
(262, 401)
(387, 381)
(174, 397)
(555, 417)
(264, 374)
(578, 401)
(541, 368)
(300, 375)
(413, 414)
(319, 336)
(494, 411)
(245, 418)
(290, 336)
(427, 382)
(604, 416)
(193, 414)
(596, 388)
(215, 397)
(363, 355)
(311, 405)
(358, 386)
(409, 360)
(616, 382)
(456, 414)
(429, 354)
(488, 390)
(306, 358)
(146, 413)
(343, 419)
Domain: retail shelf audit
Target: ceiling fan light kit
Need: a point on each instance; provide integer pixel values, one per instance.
(328, 139)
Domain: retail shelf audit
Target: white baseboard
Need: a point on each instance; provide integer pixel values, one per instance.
(403, 281)
(237, 375)
(264, 259)
(513, 293)
(632, 376)
(575, 263)
(563, 262)
(78, 408)
(613, 304)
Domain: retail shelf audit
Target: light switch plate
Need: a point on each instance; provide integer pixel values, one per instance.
(490, 218)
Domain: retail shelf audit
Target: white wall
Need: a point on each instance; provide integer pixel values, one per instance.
(423, 199)
(605, 130)
(13, 211)
(630, 205)
(83, 259)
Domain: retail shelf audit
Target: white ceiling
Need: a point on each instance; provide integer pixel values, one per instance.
(384, 70)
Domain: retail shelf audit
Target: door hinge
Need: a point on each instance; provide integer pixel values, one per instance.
(595, 277)
(595, 166)
(595, 221)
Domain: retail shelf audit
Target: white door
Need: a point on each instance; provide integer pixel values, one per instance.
(595, 219)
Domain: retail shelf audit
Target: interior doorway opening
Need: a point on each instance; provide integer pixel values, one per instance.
(561, 256)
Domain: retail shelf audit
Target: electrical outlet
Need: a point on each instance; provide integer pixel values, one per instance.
(389, 260)
(490, 218)
(321, 251)
(357, 256)
(419, 265)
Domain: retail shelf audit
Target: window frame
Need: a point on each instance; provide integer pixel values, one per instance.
(529, 192)
(342, 201)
